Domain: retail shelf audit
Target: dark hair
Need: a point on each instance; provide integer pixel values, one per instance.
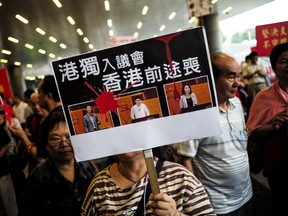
(247, 57)
(2, 111)
(48, 85)
(166, 153)
(16, 95)
(183, 92)
(5, 138)
(276, 51)
(54, 118)
(253, 54)
(28, 93)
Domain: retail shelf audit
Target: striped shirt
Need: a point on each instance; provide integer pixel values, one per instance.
(103, 197)
(221, 162)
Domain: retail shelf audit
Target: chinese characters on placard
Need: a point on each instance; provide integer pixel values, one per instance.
(269, 36)
(124, 69)
(273, 36)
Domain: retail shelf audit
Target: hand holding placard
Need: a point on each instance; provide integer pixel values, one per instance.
(151, 171)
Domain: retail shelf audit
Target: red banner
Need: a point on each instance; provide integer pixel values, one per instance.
(5, 87)
(269, 36)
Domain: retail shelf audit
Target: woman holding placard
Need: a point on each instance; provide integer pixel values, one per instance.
(121, 189)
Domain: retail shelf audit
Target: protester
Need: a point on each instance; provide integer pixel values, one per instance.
(268, 122)
(16, 153)
(34, 123)
(48, 93)
(57, 186)
(254, 75)
(8, 203)
(49, 99)
(19, 110)
(117, 190)
(221, 162)
(28, 109)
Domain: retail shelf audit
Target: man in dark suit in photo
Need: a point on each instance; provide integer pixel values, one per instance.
(91, 121)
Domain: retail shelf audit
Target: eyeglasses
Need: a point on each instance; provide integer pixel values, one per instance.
(56, 140)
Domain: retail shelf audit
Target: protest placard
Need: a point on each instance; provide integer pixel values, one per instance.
(270, 35)
(150, 72)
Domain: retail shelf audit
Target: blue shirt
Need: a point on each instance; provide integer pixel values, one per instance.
(221, 162)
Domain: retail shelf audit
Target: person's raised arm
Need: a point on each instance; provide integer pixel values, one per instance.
(30, 148)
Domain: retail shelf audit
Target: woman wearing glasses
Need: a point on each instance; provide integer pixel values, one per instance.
(58, 185)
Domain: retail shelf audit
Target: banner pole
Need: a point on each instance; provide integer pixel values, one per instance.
(148, 154)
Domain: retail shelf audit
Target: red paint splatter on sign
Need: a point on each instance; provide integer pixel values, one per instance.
(166, 39)
(106, 101)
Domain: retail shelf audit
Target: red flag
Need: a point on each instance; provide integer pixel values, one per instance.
(269, 36)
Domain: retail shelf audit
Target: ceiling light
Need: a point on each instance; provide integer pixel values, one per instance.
(136, 34)
(155, 35)
(192, 19)
(13, 39)
(172, 15)
(214, 1)
(59, 58)
(86, 40)
(71, 20)
(162, 27)
(107, 5)
(22, 19)
(29, 65)
(79, 31)
(54, 40)
(145, 9)
(29, 46)
(7, 52)
(4, 61)
(17, 63)
(57, 3)
(109, 22)
(51, 55)
(63, 46)
(30, 78)
(139, 25)
(179, 30)
(111, 33)
(227, 10)
(42, 51)
(40, 31)
(40, 77)
(0, 4)
(91, 46)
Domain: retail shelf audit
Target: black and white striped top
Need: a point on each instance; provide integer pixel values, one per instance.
(103, 197)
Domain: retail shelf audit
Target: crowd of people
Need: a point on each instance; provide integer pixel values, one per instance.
(210, 177)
